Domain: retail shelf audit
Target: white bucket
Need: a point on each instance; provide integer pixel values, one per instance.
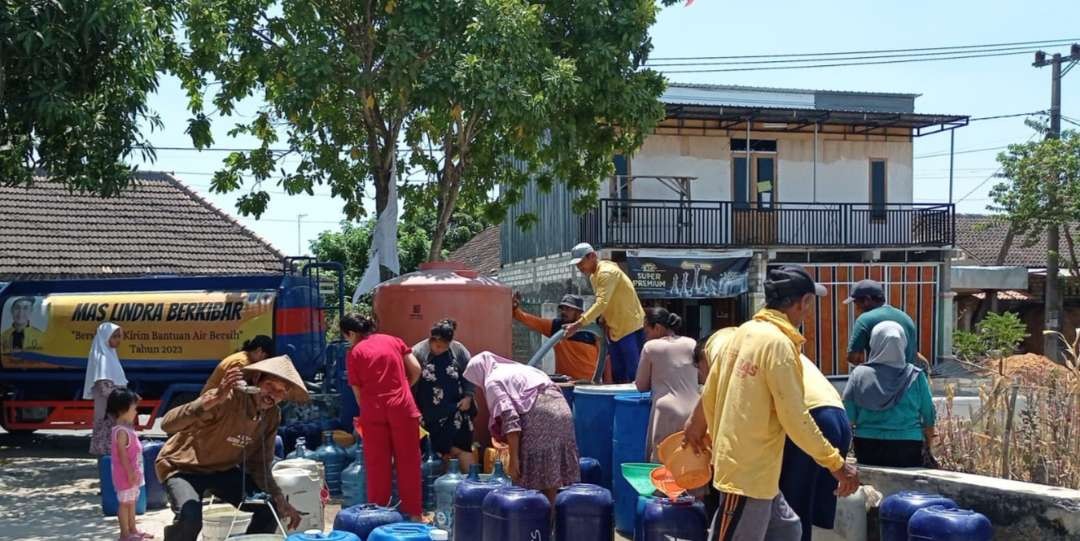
(302, 488)
(218, 518)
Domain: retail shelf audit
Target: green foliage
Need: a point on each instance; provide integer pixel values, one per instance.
(484, 94)
(74, 81)
(1042, 188)
(350, 245)
(1002, 333)
(996, 334)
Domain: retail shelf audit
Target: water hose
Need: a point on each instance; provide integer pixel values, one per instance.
(596, 331)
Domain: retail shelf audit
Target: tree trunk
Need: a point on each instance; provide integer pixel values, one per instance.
(449, 188)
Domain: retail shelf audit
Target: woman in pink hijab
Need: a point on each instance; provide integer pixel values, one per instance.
(530, 414)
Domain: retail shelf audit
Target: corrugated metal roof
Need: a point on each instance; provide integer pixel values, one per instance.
(703, 86)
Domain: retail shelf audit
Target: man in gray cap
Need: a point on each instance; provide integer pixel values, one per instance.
(617, 301)
(868, 297)
(576, 356)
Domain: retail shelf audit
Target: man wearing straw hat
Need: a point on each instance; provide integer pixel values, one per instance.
(222, 444)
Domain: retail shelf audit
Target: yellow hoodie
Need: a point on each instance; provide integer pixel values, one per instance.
(616, 300)
(754, 398)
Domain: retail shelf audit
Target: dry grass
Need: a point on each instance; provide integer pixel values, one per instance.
(1042, 440)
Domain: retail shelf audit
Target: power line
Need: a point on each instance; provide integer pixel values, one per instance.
(871, 51)
(987, 179)
(1043, 112)
(968, 151)
(844, 64)
(849, 58)
(236, 149)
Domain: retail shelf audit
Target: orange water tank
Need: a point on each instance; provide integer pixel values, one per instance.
(407, 306)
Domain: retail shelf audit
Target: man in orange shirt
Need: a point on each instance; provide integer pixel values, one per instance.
(575, 356)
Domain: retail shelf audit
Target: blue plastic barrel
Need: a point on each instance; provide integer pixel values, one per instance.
(628, 445)
(590, 470)
(109, 504)
(583, 513)
(937, 523)
(469, 507)
(516, 514)
(594, 415)
(568, 393)
(155, 493)
(405, 531)
(682, 519)
(896, 511)
(639, 513)
(334, 535)
(360, 520)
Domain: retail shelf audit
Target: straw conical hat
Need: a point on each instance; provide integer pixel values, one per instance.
(282, 367)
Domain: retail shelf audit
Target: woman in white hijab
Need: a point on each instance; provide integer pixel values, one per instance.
(103, 374)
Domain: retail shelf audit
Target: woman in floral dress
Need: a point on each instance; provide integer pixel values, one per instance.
(443, 395)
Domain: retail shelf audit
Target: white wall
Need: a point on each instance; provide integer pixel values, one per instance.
(843, 168)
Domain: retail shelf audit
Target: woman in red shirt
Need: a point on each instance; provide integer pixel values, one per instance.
(380, 369)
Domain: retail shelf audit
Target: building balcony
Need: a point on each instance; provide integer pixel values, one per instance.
(659, 223)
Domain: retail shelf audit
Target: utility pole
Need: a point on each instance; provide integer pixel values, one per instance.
(1052, 295)
(299, 251)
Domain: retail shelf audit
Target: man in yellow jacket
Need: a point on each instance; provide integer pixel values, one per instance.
(753, 399)
(617, 301)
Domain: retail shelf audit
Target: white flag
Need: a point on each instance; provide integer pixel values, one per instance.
(383, 250)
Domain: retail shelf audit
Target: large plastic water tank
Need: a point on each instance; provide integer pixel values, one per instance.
(583, 513)
(936, 523)
(594, 416)
(407, 306)
(628, 445)
(360, 520)
(516, 514)
(683, 519)
(896, 511)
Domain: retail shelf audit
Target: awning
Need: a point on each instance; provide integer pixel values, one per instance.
(979, 278)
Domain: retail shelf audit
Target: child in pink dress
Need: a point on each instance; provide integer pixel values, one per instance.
(127, 460)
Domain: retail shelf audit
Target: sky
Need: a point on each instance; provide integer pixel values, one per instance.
(975, 87)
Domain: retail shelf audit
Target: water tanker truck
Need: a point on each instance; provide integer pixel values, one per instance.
(176, 330)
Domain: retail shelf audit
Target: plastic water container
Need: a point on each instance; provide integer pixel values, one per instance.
(221, 520)
(936, 523)
(430, 470)
(445, 490)
(516, 514)
(639, 513)
(334, 459)
(628, 445)
(109, 504)
(590, 470)
(404, 531)
(316, 535)
(498, 474)
(354, 480)
(155, 493)
(279, 447)
(583, 513)
(303, 489)
(896, 511)
(360, 520)
(468, 505)
(850, 523)
(301, 450)
(594, 416)
(683, 519)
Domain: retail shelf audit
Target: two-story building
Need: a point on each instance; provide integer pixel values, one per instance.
(736, 179)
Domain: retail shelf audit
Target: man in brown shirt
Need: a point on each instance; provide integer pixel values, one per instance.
(222, 444)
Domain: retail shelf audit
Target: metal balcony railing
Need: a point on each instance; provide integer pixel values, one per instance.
(658, 223)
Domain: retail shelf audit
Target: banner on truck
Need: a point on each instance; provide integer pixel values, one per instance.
(56, 330)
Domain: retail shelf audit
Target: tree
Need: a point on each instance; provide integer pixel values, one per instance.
(1042, 192)
(350, 245)
(483, 93)
(74, 80)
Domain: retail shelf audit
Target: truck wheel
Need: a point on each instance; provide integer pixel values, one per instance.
(16, 433)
